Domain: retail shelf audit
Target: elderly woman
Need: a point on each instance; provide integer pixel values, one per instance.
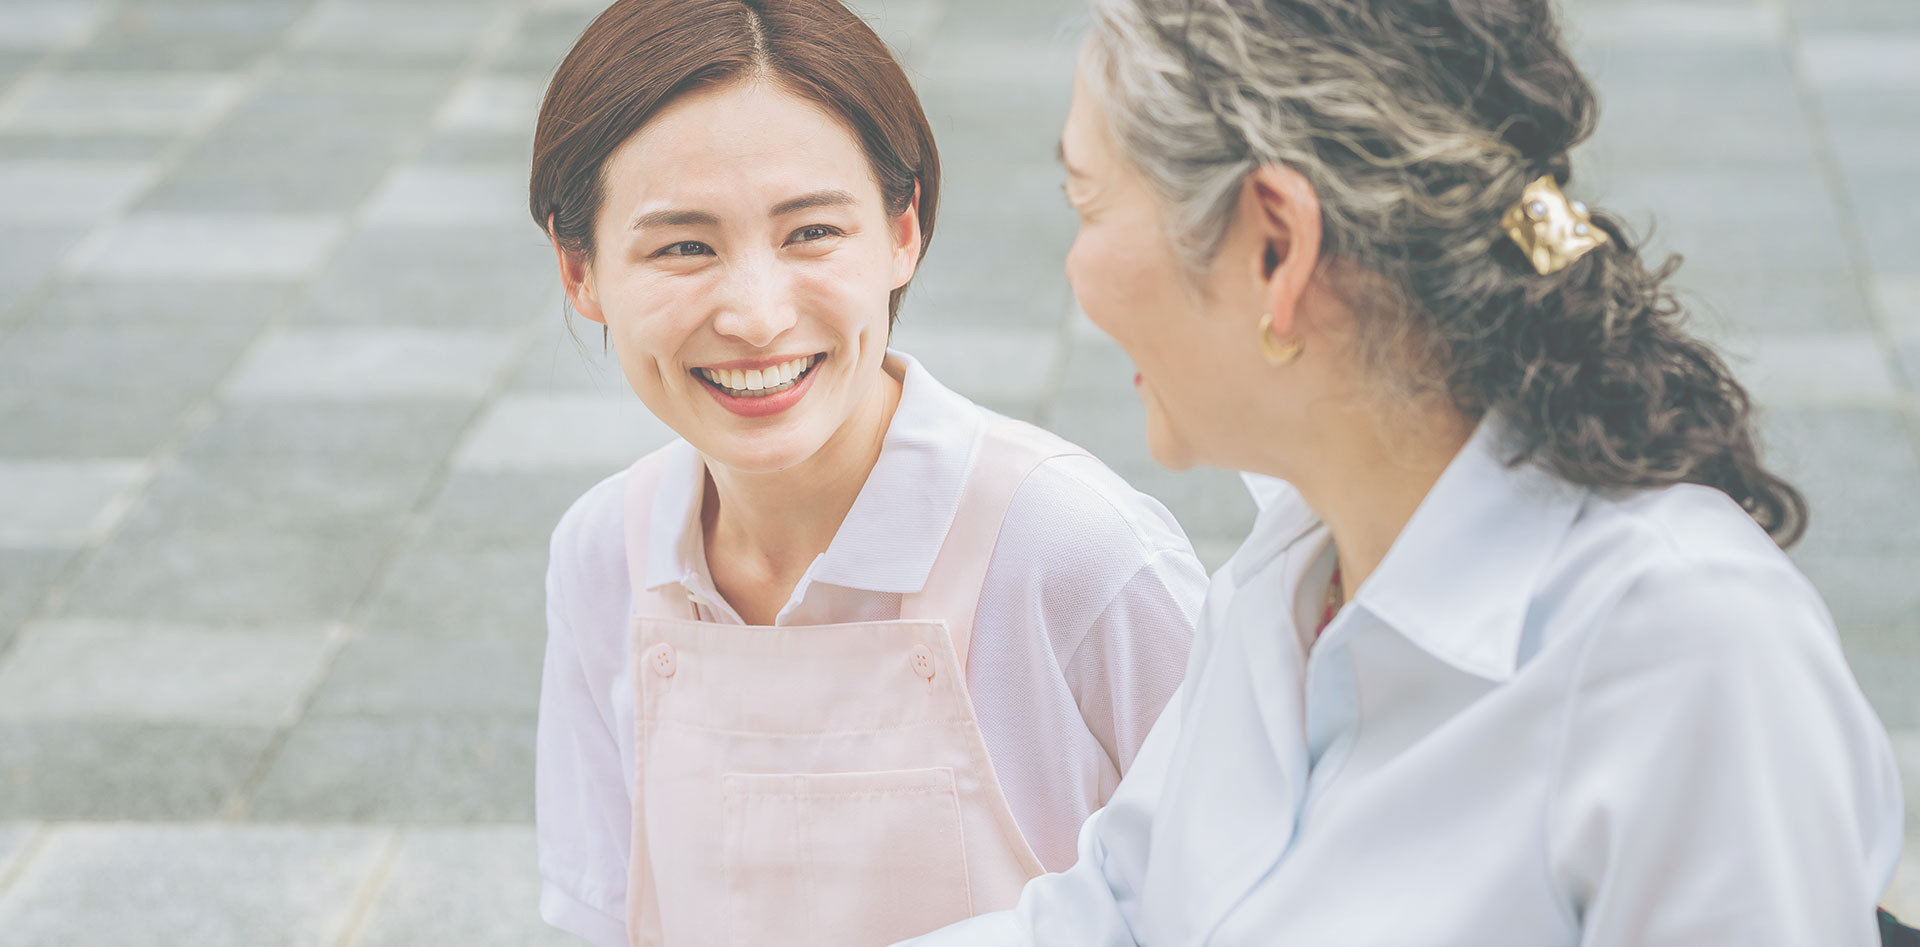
(1521, 661)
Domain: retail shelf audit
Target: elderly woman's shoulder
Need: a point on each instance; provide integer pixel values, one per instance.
(1684, 569)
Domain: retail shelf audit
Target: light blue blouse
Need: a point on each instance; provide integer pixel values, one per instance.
(1552, 716)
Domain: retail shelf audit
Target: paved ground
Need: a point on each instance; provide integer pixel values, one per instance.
(287, 408)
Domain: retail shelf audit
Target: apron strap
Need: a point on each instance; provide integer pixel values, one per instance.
(1006, 453)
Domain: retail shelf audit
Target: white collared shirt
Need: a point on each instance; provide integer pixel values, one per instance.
(1083, 626)
(1550, 717)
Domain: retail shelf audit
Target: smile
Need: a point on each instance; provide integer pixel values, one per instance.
(760, 383)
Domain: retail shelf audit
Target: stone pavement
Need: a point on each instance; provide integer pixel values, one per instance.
(288, 407)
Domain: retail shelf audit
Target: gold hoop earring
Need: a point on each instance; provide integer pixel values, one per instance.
(1276, 351)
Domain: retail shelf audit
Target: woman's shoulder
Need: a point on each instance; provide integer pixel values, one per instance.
(1684, 570)
(588, 548)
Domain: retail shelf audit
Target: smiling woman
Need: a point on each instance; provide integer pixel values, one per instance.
(854, 658)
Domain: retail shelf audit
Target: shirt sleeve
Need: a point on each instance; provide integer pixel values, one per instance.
(580, 798)
(1723, 780)
(1095, 903)
(1130, 660)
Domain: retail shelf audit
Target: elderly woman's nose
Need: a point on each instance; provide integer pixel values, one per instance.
(755, 305)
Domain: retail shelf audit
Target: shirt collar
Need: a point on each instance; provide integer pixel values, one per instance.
(1459, 579)
(899, 521)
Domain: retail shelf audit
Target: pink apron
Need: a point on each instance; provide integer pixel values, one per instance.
(825, 784)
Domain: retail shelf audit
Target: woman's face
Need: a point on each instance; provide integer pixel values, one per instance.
(1192, 341)
(743, 262)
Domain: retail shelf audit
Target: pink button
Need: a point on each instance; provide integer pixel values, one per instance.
(660, 657)
(921, 658)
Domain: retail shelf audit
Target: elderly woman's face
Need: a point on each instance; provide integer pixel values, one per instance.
(1191, 340)
(743, 264)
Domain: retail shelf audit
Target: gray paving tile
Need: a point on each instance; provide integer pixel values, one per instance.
(451, 195)
(1801, 369)
(63, 504)
(227, 577)
(435, 770)
(47, 25)
(466, 277)
(314, 498)
(990, 367)
(1711, 218)
(14, 837)
(1664, 24)
(309, 103)
(492, 104)
(38, 146)
(315, 171)
(1884, 202)
(1899, 299)
(396, 678)
(64, 769)
(208, 885)
(47, 425)
(79, 391)
(473, 886)
(118, 103)
(1871, 597)
(209, 246)
(988, 281)
(369, 364)
(439, 588)
(26, 575)
(71, 191)
(160, 674)
(360, 30)
(28, 254)
(559, 432)
(189, 35)
(1880, 58)
(130, 361)
(542, 40)
(1859, 472)
(1743, 303)
(565, 356)
(490, 508)
(391, 436)
(464, 147)
(124, 303)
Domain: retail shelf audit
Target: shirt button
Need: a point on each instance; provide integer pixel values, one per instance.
(921, 659)
(660, 657)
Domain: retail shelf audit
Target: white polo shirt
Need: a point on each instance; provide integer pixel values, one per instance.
(1081, 635)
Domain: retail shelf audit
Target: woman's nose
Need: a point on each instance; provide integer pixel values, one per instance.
(756, 306)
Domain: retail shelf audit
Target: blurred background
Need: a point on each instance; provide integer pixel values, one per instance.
(288, 407)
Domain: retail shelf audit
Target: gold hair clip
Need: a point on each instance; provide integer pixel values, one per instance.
(1551, 230)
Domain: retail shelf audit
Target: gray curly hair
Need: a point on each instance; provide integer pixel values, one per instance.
(1418, 123)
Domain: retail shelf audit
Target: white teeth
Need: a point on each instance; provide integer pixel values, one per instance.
(764, 381)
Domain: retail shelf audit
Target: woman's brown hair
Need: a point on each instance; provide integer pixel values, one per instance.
(640, 55)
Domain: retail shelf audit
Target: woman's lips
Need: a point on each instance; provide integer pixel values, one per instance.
(762, 405)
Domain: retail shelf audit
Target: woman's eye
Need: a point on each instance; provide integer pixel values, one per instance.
(685, 248)
(815, 232)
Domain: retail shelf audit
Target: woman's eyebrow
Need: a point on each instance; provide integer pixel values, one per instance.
(674, 218)
(823, 198)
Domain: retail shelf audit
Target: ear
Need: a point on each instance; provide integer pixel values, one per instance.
(576, 277)
(906, 240)
(1285, 213)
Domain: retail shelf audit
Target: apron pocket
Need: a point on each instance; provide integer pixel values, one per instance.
(843, 859)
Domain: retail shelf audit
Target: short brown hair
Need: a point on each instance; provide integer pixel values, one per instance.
(639, 55)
